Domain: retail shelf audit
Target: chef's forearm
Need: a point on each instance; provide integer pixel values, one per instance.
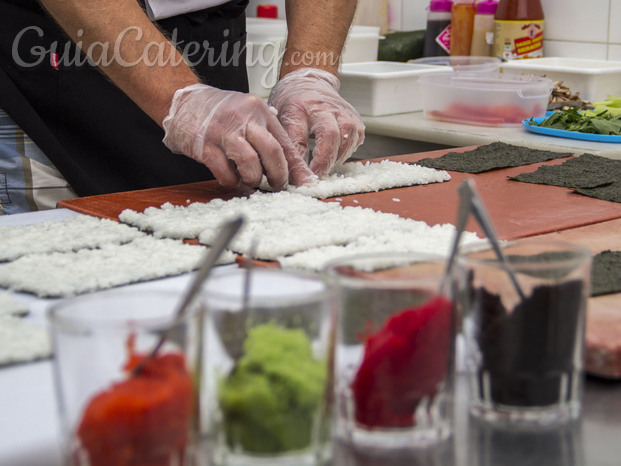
(317, 33)
(128, 48)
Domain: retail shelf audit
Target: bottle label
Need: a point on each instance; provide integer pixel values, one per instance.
(518, 39)
(444, 39)
(489, 38)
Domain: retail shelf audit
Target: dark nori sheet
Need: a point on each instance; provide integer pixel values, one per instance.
(586, 171)
(606, 273)
(590, 175)
(526, 353)
(490, 157)
(609, 192)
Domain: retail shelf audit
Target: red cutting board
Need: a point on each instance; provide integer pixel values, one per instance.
(603, 326)
(517, 209)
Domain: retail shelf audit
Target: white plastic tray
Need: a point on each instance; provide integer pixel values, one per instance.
(383, 87)
(593, 79)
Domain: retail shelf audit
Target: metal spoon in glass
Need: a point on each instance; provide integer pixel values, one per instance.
(223, 238)
(470, 203)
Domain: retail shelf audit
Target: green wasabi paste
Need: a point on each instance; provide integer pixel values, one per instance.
(270, 400)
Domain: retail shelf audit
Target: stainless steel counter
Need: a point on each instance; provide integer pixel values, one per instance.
(592, 441)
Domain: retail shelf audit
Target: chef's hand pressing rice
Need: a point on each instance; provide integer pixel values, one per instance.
(309, 104)
(237, 136)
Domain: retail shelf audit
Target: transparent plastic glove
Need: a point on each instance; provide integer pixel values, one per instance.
(237, 136)
(309, 105)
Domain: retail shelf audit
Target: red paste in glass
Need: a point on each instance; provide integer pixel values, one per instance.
(143, 420)
(403, 362)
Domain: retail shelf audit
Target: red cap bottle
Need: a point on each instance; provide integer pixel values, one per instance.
(267, 11)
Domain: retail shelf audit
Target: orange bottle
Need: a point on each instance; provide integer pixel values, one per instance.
(462, 24)
(518, 29)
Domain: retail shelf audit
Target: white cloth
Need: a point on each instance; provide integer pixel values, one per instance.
(160, 9)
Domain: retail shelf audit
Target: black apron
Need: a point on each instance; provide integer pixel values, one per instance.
(93, 133)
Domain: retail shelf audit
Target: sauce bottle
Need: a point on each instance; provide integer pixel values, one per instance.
(438, 35)
(483, 29)
(518, 29)
(462, 22)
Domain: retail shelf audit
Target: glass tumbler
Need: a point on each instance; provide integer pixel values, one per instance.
(525, 339)
(110, 414)
(395, 350)
(269, 343)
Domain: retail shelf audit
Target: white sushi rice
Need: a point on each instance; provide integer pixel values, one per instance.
(299, 232)
(416, 237)
(22, 341)
(171, 221)
(366, 177)
(87, 270)
(10, 307)
(72, 234)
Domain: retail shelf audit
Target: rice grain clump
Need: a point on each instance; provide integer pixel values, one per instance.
(72, 234)
(366, 177)
(87, 270)
(10, 307)
(22, 341)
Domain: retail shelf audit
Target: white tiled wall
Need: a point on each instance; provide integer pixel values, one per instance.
(413, 14)
(574, 28)
(582, 29)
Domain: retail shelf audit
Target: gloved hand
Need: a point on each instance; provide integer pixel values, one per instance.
(237, 136)
(309, 105)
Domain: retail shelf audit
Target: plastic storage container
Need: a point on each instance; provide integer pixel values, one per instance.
(593, 79)
(382, 87)
(361, 44)
(438, 32)
(264, 50)
(265, 45)
(485, 99)
(459, 63)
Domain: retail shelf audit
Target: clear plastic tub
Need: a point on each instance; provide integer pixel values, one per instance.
(485, 99)
(462, 63)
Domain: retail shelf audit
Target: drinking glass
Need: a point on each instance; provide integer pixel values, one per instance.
(269, 342)
(394, 353)
(525, 342)
(109, 415)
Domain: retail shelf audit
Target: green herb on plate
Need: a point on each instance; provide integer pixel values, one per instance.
(583, 122)
(612, 105)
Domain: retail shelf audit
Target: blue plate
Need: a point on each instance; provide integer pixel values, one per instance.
(562, 133)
